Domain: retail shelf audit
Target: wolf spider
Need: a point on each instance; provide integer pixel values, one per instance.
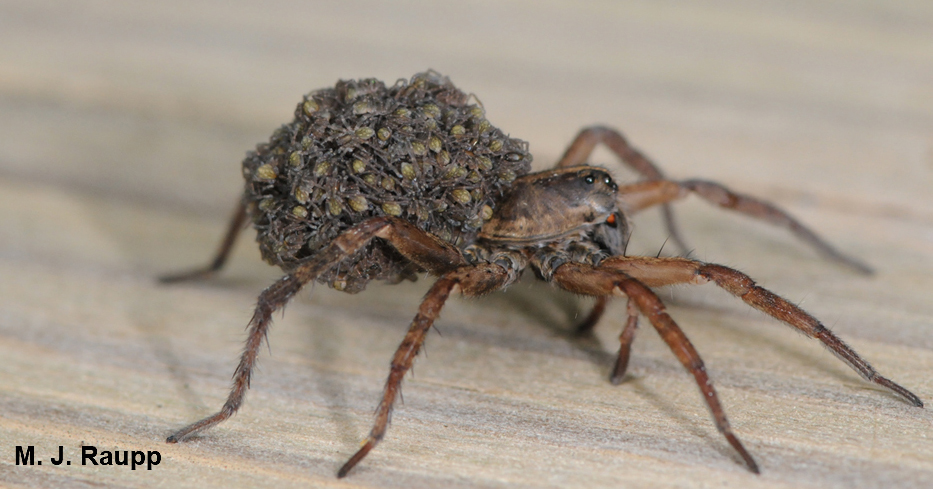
(570, 224)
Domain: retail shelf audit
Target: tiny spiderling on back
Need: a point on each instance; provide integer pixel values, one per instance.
(416, 150)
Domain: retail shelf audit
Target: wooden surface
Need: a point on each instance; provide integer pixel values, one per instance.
(122, 127)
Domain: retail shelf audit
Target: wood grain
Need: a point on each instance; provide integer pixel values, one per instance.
(122, 125)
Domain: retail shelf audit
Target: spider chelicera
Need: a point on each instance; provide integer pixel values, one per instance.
(373, 183)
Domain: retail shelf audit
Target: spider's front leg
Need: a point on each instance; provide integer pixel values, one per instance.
(428, 251)
(656, 272)
(585, 279)
(631, 277)
(638, 196)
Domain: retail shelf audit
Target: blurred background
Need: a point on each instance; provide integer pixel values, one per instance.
(122, 128)
(159, 101)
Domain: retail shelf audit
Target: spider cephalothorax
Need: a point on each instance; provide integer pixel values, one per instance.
(460, 209)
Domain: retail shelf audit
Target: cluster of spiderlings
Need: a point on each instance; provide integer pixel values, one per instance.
(416, 150)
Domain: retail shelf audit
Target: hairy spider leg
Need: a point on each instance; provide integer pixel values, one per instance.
(428, 251)
(585, 279)
(656, 272)
(625, 344)
(599, 308)
(625, 339)
(471, 281)
(657, 190)
(237, 224)
(637, 196)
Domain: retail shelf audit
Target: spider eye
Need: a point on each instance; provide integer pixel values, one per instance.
(612, 221)
(589, 179)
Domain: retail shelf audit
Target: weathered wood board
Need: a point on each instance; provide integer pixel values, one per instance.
(122, 126)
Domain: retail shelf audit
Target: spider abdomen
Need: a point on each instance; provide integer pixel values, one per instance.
(417, 150)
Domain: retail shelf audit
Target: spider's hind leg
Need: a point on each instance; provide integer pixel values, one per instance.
(237, 223)
(428, 251)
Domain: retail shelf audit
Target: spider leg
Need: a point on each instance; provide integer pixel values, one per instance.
(471, 281)
(237, 223)
(582, 146)
(625, 339)
(656, 272)
(422, 248)
(638, 196)
(625, 344)
(585, 279)
(586, 326)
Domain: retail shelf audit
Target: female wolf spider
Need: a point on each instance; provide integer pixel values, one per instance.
(569, 224)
